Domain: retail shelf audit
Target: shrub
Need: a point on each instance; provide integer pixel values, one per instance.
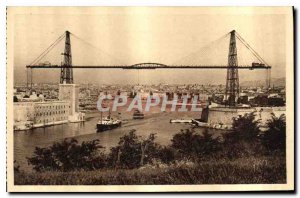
(165, 154)
(253, 170)
(192, 145)
(183, 141)
(68, 155)
(244, 128)
(241, 149)
(133, 151)
(43, 160)
(274, 138)
(243, 140)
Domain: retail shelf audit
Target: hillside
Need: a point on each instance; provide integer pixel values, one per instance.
(274, 81)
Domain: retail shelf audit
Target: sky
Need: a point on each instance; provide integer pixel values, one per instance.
(130, 35)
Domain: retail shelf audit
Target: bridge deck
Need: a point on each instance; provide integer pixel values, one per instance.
(143, 67)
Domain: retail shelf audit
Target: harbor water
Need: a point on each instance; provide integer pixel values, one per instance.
(154, 122)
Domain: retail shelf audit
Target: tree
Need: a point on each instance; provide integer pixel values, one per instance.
(209, 145)
(145, 144)
(184, 142)
(244, 128)
(243, 140)
(275, 137)
(191, 144)
(43, 160)
(133, 151)
(165, 153)
(68, 155)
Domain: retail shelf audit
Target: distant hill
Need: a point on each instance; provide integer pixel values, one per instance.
(258, 83)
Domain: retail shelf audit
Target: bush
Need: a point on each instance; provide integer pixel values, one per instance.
(253, 170)
(244, 128)
(133, 151)
(165, 154)
(183, 141)
(274, 138)
(241, 149)
(243, 140)
(192, 145)
(68, 155)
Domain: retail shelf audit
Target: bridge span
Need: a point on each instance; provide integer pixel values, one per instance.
(148, 66)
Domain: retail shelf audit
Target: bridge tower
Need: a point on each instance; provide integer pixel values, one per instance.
(232, 81)
(68, 91)
(66, 75)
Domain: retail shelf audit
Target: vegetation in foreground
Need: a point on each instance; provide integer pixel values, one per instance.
(244, 155)
(240, 171)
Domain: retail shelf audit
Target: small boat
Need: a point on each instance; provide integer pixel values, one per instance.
(198, 123)
(24, 126)
(138, 114)
(180, 121)
(108, 123)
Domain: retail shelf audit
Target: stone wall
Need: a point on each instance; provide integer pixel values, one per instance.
(224, 116)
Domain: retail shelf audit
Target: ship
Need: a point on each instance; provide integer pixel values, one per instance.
(181, 121)
(108, 123)
(138, 114)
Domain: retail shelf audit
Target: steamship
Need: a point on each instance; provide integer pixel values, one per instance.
(108, 123)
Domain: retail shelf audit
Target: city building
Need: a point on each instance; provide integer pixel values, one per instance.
(32, 111)
(38, 114)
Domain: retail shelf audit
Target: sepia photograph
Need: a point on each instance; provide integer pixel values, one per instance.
(150, 99)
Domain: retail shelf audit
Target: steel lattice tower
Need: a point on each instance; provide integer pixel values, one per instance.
(66, 75)
(232, 81)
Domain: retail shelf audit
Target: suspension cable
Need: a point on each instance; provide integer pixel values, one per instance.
(45, 52)
(251, 49)
(202, 49)
(95, 47)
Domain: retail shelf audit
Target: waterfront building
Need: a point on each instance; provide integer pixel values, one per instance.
(33, 112)
(70, 93)
(38, 114)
